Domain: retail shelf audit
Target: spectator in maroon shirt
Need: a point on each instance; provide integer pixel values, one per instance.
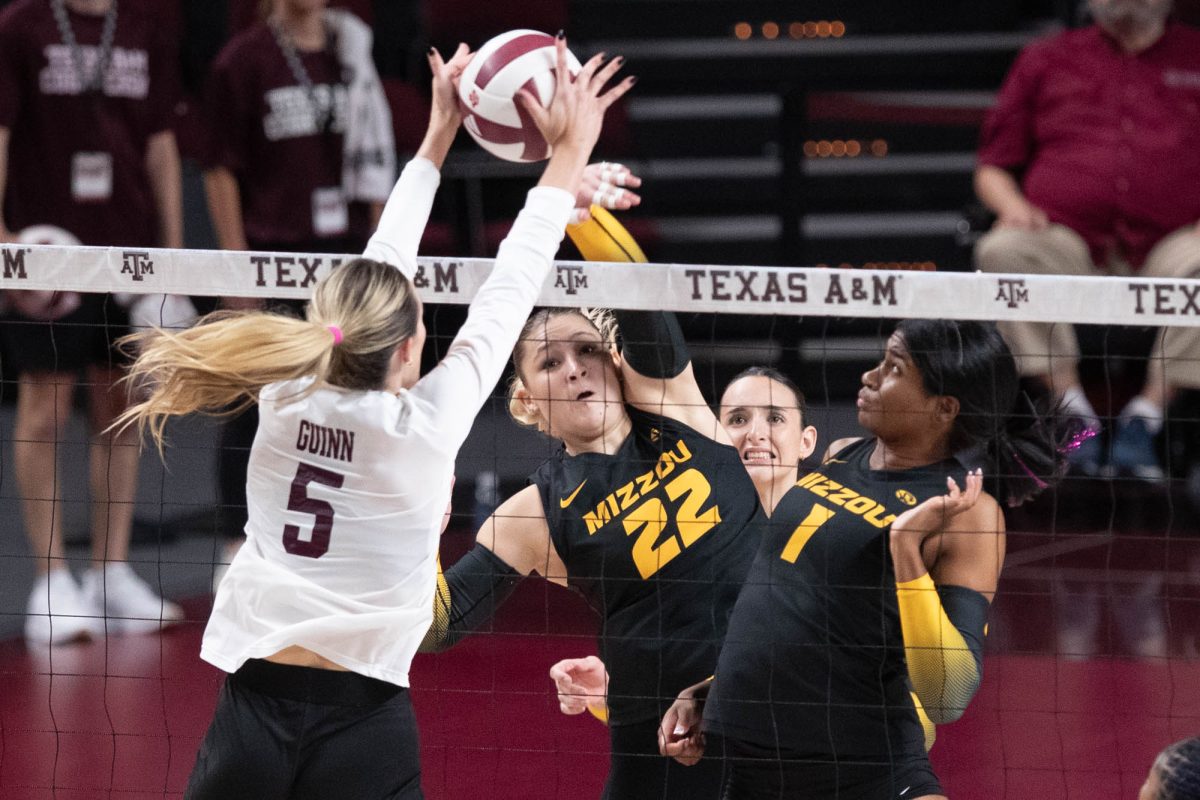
(86, 104)
(1091, 161)
(281, 102)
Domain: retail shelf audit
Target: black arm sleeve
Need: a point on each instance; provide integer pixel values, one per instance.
(652, 343)
(467, 596)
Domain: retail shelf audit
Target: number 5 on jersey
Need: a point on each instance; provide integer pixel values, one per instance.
(298, 500)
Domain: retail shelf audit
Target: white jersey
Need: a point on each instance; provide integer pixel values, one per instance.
(346, 489)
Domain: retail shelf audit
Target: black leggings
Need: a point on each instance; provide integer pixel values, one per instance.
(294, 732)
(638, 772)
(904, 777)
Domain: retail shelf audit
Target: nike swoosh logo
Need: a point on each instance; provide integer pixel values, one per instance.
(905, 791)
(566, 501)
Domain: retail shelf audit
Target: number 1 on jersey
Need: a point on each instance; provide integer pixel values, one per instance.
(804, 531)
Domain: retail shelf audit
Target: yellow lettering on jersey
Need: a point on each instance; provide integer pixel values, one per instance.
(627, 496)
(621, 500)
(809, 479)
(842, 494)
(873, 517)
(692, 521)
(595, 520)
(824, 487)
(646, 483)
(651, 518)
(817, 517)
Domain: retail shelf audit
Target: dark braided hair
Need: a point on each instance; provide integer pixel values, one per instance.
(1025, 442)
(1178, 770)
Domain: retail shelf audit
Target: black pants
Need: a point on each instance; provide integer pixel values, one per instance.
(293, 732)
(751, 776)
(638, 772)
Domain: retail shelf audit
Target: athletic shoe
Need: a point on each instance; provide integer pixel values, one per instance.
(129, 604)
(58, 611)
(1133, 451)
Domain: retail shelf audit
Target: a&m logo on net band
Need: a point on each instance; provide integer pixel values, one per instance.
(1012, 292)
(136, 264)
(14, 262)
(570, 278)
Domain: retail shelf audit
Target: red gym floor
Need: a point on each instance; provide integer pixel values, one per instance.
(1092, 668)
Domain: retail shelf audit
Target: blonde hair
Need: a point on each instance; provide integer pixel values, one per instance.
(220, 365)
(601, 319)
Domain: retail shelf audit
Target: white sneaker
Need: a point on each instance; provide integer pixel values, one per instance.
(57, 611)
(129, 605)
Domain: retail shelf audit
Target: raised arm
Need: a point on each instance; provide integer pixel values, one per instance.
(656, 367)
(947, 554)
(406, 212)
(460, 384)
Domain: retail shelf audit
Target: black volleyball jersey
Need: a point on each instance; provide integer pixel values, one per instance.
(813, 664)
(657, 537)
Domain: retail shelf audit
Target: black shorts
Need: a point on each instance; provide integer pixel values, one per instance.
(83, 338)
(638, 772)
(294, 732)
(751, 777)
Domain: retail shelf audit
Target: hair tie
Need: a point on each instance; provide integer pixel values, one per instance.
(1041, 484)
(1076, 441)
(337, 334)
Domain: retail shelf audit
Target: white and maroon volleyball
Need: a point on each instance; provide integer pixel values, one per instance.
(520, 59)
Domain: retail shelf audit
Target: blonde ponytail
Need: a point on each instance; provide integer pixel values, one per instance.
(220, 365)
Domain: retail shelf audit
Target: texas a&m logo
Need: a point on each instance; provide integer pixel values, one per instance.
(570, 278)
(136, 264)
(1012, 291)
(14, 262)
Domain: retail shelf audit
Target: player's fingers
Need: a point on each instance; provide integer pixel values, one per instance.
(580, 215)
(560, 61)
(535, 109)
(617, 92)
(586, 74)
(605, 74)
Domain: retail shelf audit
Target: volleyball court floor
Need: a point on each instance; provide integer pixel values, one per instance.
(1092, 667)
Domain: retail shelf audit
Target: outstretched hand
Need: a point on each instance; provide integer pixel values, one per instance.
(576, 112)
(445, 84)
(580, 682)
(608, 185)
(933, 515)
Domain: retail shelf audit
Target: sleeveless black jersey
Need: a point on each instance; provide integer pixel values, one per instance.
(657, 537)
(813, 665)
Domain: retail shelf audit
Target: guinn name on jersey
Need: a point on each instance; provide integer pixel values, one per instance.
(326, 442)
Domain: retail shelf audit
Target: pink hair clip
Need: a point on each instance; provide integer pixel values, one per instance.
(337, 334)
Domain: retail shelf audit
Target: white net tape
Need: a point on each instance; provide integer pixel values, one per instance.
(799, 291)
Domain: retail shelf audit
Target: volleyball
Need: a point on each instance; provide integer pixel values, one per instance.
(519, 59)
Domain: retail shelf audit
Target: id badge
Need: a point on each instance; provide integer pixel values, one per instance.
(330, 215)
(91, 177)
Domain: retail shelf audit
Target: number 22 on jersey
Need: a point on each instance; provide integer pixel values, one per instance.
(651, 517)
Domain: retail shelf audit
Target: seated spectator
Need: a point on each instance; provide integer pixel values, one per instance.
(1090, 159)
(1175, 774)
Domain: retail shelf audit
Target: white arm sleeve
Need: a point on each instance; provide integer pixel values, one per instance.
(457, 387)
(404, 217)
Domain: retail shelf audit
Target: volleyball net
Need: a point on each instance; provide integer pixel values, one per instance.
(1093, 654)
